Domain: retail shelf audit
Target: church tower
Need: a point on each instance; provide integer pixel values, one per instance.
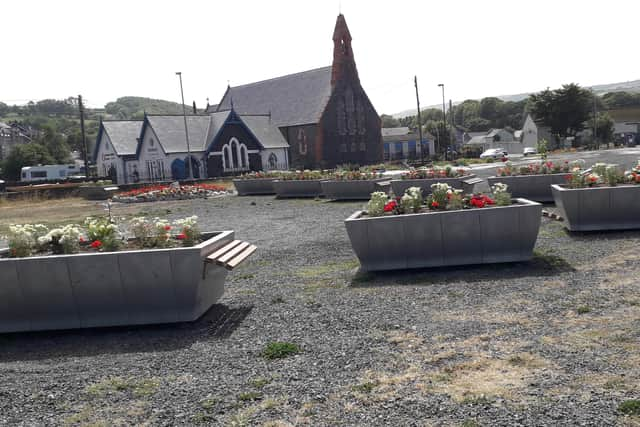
(344, 65)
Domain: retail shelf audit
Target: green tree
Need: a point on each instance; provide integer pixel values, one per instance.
(604, 129)
(25, 155)
(389, 121)
(55, 145)
(564, 110)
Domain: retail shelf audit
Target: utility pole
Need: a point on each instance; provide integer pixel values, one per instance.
(451, 118)
(84, 137)
(415, 80)
(595, 128)
(444, 120)
(186, 130)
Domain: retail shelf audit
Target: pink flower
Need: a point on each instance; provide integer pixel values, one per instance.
(181, 236)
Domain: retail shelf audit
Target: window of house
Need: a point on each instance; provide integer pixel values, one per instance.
(363, 146)
(343, 148)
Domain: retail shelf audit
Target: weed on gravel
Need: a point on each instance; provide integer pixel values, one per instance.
(280, 350)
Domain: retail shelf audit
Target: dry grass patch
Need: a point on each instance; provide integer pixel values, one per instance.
(486, 377)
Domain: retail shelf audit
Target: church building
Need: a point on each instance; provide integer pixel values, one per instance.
(314, 119)
(324, 114)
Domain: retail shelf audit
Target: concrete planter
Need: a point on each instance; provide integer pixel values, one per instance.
(110, 289)
(353, 190)
(97, 192)
(298, 188)
(434, 239)
(251, 187)
(532, 187)
(399, 186)
(598, 208)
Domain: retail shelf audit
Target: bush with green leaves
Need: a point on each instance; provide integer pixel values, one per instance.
(23, 238)
(501, 194)
(63, 240)
(104, 231)
(411, 201)
(375, 206)
(189, 231)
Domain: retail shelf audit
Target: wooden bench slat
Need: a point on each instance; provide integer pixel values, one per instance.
(223, 250)
(232, 253)
(241, 257)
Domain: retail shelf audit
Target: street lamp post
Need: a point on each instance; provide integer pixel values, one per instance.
(444, 120)
(186, 130)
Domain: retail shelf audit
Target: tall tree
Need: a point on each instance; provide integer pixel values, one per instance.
(564, 110)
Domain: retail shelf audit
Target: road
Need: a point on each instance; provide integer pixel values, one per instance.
(624, 157)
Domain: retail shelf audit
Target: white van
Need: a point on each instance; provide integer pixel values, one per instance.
(48, 172)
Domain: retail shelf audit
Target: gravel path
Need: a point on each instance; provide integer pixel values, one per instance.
(554, 341)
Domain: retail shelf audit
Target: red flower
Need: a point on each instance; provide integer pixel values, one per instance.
(390, 206)
(96, 244)
(167, 227)
(181, 236)
(487, 200)
(81, 239)
(435, 204)
(568, 177)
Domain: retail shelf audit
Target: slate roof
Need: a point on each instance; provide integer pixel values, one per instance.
(123, 135)
(295, 99)
(171, 135)
(265, 131)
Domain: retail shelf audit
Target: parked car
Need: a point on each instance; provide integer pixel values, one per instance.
(529, 151)
(494, 153)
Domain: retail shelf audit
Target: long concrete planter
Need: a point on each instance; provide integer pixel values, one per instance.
(298, 188)
(598, 208)
(110, 289)
(251, 187)
(399, 186)
(434, 239)
(532, 187)
(97, 192)
(353, 190)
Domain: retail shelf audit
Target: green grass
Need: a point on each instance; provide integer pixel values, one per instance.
(260, 382)
(280, 350)
(249, 396)
(583, 309)
(364, 387)
(630, 407)
(138, 387)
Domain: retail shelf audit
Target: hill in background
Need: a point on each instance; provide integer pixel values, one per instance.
(134, 107)
(630, 86)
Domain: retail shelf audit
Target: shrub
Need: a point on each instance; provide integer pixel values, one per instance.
(103, 231)
(375, 207)
(23, 238)
(190, 233)
(280, 350)
(500, 194)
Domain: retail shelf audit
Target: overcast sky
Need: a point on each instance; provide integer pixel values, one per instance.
(105, 50)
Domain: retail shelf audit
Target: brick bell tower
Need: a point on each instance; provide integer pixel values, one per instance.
(344, 65)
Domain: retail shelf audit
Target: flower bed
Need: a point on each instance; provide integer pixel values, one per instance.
(425, 177)
(602, 198)
(154, 193)
(111, 288)
(256, 183)
(353, 185)
(86, 276)
(448, 229)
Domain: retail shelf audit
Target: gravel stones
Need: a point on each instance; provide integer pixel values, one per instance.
(494, 345)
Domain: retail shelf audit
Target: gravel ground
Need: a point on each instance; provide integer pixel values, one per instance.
(554, 341)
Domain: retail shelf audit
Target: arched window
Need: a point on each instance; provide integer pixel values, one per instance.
(235, 156)
(243, 156)
(273, 161)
